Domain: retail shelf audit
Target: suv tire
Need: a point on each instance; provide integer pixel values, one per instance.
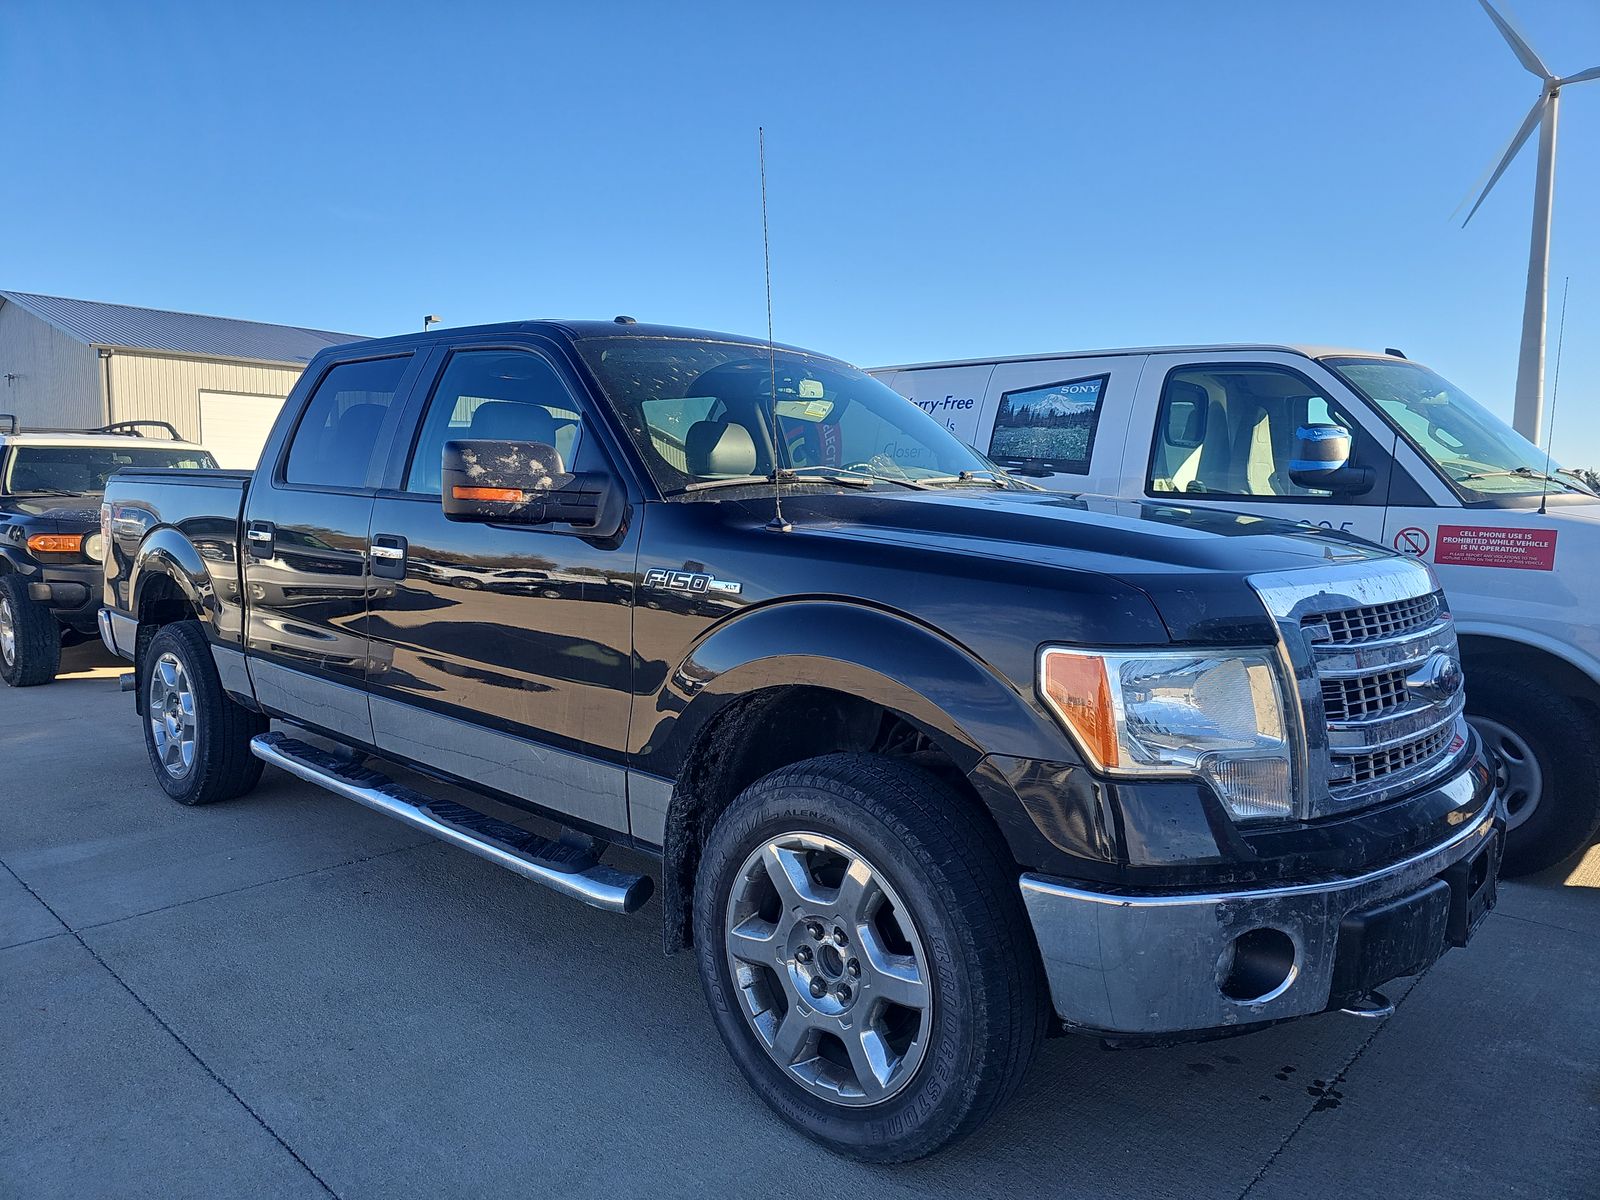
(198, 739)
(836, 831)
(1542, 744)
(30, 641)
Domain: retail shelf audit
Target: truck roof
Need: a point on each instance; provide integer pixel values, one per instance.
(570, 329)
(89, 440)
(1306, 351)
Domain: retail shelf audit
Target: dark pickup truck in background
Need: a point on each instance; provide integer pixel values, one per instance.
(924, 753)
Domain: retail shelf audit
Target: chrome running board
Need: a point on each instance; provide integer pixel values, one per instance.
(570, 868)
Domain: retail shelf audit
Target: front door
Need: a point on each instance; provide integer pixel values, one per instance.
(307, 521)
(1224, 435)
(503, 653)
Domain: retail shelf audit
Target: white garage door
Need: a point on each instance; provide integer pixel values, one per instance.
(234, 427)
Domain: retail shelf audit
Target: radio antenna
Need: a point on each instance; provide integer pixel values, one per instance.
(1555, 385)
(777, 524)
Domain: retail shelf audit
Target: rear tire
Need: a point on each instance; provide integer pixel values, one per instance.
(197, 738)
(30, 640)
(937, 977)
(1543, 746)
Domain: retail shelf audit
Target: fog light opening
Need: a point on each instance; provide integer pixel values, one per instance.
(1257, 965)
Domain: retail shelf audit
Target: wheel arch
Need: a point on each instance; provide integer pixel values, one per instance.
(805, 678)
(1532, 655)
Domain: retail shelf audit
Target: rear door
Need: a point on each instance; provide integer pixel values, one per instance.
(503, 653)
(308, 517)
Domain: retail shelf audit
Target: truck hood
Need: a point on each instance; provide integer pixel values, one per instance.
(64, 509)
(1193, 564)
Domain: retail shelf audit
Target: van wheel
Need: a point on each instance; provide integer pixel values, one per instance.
(30, 642)
(866, 955)
(1541, 745)
(198, 739)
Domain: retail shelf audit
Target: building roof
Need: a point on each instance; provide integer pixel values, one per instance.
(123, 327)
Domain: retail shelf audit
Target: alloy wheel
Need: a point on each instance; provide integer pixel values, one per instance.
(172, 717)
(8, 631)
(829, 968)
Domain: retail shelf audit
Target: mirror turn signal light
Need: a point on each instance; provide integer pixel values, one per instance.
(1077, 690)
(56, 543)
(497, 495)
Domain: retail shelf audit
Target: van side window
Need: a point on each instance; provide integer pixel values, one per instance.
(1050, 427)
(337, 437)
(1230, 430)
(494, 395)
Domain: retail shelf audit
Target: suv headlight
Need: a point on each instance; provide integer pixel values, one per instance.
(94, 547)
(1220, 717)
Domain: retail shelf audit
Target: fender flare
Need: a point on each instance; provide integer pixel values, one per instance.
(876, 654)
(165, 552)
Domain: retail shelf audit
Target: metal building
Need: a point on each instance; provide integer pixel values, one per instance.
(220, 382)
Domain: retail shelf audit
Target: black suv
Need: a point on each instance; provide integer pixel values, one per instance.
(51, 481)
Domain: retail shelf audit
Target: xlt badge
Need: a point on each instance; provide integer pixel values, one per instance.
(689, 581)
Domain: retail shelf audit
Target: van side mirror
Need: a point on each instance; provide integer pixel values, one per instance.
(526, 483)
(1188, 405)
(1322, 461)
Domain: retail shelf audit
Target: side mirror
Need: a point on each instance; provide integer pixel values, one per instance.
(1322, 461)
(526, 483)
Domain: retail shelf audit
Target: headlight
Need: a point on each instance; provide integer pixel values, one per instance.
(1218, 717)
(94, 547)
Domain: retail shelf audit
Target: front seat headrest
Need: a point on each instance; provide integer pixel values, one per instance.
(507, 421)
(719, 448)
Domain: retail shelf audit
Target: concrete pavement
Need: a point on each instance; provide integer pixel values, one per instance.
(288, 995)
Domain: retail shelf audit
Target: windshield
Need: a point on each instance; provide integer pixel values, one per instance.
(702, 415)
(83, 470)
(1478, 453)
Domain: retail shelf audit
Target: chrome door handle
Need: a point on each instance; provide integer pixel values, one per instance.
(388, 552)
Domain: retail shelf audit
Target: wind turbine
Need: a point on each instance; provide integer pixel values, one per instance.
(1528, 416)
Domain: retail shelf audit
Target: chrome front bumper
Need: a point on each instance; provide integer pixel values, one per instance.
(1153, 965)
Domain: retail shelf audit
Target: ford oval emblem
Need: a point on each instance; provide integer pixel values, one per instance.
(1435, 680)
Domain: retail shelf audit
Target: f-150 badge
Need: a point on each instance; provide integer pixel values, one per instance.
(694, 582)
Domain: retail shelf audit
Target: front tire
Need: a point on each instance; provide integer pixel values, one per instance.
(197, 738)
(1542, 744)
(866, 955)
(30, 641)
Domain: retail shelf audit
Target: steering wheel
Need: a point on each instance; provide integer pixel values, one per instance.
(878, 464)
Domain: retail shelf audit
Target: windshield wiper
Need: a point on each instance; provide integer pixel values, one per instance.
(51, 492)
(989, 477)
(1517, 472)
(840, 475)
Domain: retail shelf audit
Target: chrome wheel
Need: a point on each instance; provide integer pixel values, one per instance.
(830, 970)
(1516, 768)
(170, 709)
(8, 632)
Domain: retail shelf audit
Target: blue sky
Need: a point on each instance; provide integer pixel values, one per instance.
(945, 180)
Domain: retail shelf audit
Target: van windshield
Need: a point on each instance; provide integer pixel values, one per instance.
(1477, 452)
(709, 414)
(83, 470)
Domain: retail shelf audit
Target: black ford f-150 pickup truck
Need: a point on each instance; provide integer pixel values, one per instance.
(924, 754)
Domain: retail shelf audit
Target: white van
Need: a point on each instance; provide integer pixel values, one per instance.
(1371, 444)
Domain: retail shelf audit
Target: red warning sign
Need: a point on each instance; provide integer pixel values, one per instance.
(1412, 541)
(1496, 546)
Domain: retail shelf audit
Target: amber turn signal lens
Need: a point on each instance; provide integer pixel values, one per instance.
(1075, 686)
(498, 495)
(56, 543)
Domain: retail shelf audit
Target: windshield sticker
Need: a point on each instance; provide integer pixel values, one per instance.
(1492, 546)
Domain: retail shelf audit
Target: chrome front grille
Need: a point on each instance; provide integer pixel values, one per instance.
(1379, 678)
(1381, 620)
